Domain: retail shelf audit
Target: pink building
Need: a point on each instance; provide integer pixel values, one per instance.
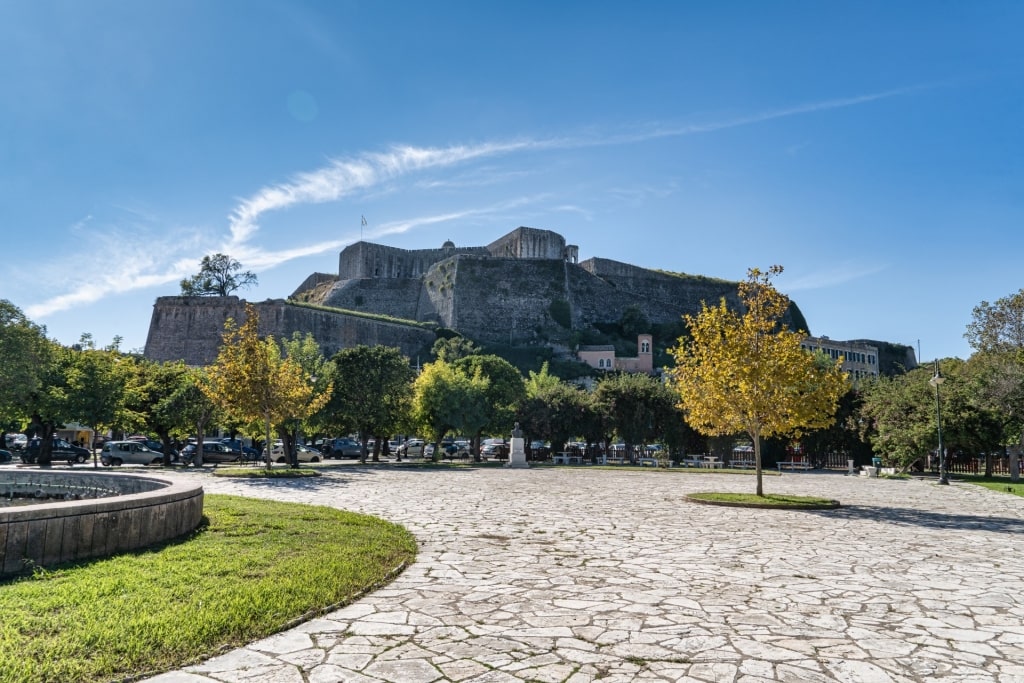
(603, 357)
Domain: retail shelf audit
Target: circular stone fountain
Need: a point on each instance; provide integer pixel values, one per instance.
(89, 514)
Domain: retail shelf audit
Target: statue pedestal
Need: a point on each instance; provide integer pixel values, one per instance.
(517, 454)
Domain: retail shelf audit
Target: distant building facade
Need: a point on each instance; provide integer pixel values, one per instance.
(859, 359)
(602, 356)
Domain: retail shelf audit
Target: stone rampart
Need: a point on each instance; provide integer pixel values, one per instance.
(190, 328)
(366, 260)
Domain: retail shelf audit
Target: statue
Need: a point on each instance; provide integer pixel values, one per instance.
(517, 454)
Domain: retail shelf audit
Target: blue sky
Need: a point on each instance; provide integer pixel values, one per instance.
(874, 149)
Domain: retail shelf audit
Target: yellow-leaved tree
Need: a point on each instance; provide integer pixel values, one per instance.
(251, 382)
(747, 373)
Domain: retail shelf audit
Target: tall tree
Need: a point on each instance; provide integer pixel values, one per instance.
(23, 346)
(372, 392)
(997, 330)
(639, 407)
(505, 391)
(445, 399)
(157, 401)
(304, 350)
(219, 275)
(250, 380)
(747, 373)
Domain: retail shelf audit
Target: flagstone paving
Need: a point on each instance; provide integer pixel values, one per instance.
(577, 574)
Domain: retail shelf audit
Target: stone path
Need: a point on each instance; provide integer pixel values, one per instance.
(575, 574)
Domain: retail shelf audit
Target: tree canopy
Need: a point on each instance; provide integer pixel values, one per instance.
(746, 373)
(219, 275)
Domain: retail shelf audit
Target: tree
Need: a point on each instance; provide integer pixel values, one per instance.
(218, 276)
(97, 385)
(251, 381)
(445, 399)
(305, 351)
(639, 407)
(372, 390)
(451, 349)
(159, 400)
(505, 391)
(557, 412)
(23, 345)
(997, 330)
(897, 416)
(746, 373)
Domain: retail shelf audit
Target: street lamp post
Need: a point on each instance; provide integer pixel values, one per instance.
(935, 381)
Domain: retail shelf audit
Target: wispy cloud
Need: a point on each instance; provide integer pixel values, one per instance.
(376, 172)
(838, 274)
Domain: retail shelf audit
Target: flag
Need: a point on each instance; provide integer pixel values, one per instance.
(364, 220)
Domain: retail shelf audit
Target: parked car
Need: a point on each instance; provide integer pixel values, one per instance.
(61, 450)
(117, 453)
(5, 456)
(412, 448)
(539, 450)
(246, 452)
(15, 442)
(344, 447)
(153, 445)
(494, 448)
(213, 452)
(303, 453)
(455, 449)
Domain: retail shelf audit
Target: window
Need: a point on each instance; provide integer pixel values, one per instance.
(645, 347)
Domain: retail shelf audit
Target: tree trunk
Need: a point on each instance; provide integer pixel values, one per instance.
(757, 462)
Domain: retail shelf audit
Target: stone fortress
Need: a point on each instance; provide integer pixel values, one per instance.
(525, 288)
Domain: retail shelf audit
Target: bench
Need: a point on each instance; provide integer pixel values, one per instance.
(645, 462)
(742, 464)
(794, 465)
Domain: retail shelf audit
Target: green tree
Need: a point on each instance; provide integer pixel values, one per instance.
(897, 416)
(23, 348)
(372, 392)
(97, 383)
(505, 391)
(997, 330)
(158, 401)
(639, 407)
(250, 380)
(446, 399)
(556, 413)
(746, 373)
(219, 275)
(304, 350)
(451, 349)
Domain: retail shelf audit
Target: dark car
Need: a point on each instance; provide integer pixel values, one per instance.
(61, 450)
(213, 452)
(246, 452)
(494, 448)
(5, 456)
(344, 447)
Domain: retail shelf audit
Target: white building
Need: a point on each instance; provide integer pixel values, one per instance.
(859, 359)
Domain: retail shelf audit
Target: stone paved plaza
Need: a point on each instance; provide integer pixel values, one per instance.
(577, 574)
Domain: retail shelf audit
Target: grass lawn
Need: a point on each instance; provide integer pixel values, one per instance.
(769, 500)
(1001, 484)
(265, 473)
(251, 569)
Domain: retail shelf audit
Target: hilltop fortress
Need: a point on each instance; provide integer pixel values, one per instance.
(525, 288)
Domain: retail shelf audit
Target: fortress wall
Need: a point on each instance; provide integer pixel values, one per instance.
(313, 281)
(498, 299)
(366, 260)
(396, 297)
(190, 328)
(529, 243)
(661, 296)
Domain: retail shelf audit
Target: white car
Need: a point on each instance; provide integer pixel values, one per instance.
(303, 453)
(413, 448)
